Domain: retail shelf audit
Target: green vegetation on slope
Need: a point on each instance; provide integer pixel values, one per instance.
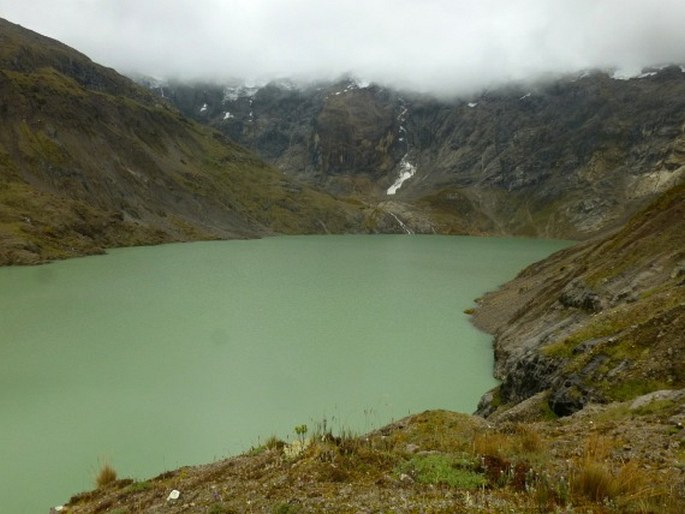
(436, 462)
(89, 160)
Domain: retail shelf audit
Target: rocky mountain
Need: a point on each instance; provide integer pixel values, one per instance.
(89, 159)
(569, 157)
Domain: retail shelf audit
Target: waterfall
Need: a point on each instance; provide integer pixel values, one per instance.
(401, 224)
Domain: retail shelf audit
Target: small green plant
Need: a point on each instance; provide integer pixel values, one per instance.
(137, 487)
(443, 469)
(301, 431)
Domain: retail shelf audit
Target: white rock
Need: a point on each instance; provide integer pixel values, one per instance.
(173, 495)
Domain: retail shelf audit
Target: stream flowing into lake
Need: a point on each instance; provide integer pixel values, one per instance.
(156, 357)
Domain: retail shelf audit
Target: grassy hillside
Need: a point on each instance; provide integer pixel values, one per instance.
(602, 461)
(89, 160)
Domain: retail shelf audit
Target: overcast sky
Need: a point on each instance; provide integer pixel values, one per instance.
(439, 45)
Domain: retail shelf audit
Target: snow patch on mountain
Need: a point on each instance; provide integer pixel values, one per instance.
(407, 171)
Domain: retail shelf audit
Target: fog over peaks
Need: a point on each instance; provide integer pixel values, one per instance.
(431, 45)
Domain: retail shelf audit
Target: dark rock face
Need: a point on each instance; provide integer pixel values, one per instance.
(317, 132)
(531, 374)
(565, 158)
(579, 295)
(356, 131)
(568, 397)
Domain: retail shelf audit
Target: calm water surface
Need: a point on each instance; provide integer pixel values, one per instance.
(152, 358)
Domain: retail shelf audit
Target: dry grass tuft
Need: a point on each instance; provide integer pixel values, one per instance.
(592, 476)
(105, 476)
(274, 443)
(492, 443)
(594, 481)
(596, 478)
(529, 439)
(598, 447)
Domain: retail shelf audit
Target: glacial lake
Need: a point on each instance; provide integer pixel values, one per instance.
(156, 357)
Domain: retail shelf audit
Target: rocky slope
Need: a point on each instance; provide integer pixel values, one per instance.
(89, 159)
(599, 322)
(567, 158)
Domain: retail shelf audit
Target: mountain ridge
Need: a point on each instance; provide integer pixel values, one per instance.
(569, 157)
(90, 160)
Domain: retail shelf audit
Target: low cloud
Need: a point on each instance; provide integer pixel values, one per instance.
(431, 45)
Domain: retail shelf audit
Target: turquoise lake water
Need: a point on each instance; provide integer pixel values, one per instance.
(156, 357)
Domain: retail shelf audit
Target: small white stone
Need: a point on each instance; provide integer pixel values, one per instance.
(173, 495)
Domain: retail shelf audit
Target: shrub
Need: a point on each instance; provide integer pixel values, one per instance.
(549, 492)
(502, 473)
